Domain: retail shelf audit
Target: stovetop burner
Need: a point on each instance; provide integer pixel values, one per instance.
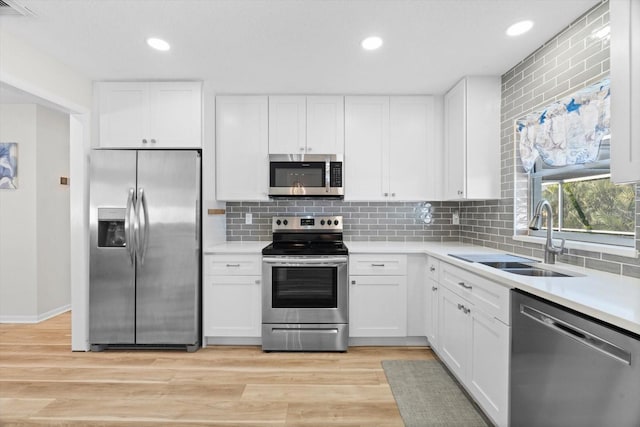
(306, 235)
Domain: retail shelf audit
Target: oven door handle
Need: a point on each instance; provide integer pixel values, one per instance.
(292, 262)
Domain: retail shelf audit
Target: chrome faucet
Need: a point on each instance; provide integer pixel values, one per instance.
(550, 251)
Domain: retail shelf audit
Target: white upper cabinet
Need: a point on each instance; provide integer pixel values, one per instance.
(306, 125)
(242, 159)
(150, 114)
(325, 124)
(391, 148)
(625, 89)
(472, 139)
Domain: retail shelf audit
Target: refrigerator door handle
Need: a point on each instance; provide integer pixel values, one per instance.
(143, 242)
(129, 230)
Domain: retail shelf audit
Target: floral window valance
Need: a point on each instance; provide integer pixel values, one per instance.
(567, 132)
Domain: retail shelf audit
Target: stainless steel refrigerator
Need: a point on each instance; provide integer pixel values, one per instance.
(145, 285)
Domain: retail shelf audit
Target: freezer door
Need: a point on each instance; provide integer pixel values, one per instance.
(168, 262)
(112, 271)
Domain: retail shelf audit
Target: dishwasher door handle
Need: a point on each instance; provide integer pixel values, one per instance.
(578, 334)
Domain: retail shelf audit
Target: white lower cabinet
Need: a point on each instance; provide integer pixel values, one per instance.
(488, 376)
(430, 302)
(378, 295)
(232, 300)
(474, 344)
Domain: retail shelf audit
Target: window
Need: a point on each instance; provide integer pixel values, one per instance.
(586, 205)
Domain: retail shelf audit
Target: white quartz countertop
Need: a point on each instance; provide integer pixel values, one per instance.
(609, 297)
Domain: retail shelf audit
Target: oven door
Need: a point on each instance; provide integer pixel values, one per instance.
(309, 289)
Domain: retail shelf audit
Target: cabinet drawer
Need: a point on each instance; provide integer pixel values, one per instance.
(378, 265)
(489, 297)
(232, 265)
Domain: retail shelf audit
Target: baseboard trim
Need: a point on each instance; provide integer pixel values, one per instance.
(388, 341)
(232, 341)
(34, 318)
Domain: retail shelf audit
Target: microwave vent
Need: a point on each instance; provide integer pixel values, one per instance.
(14, 8)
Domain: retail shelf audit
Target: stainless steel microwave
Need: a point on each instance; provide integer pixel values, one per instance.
(306, 175)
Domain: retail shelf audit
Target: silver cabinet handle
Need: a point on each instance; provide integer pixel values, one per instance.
(257, 281)
(393, 194)
(301, 148)
(377, 265)
(465, 285)
(460, 306)
(386, 194)
(460, 192)
(433, 288)
(466, 310)
(353, 282)
(308, 148)
(144, 140)
(153, 141)
(432, 268)
(233, 265)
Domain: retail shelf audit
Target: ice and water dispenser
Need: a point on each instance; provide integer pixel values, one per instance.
(111, 228)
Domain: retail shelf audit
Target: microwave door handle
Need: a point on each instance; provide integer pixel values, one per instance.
(327, 177)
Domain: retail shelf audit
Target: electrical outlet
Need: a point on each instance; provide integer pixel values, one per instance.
(248, 218)
(455, 218)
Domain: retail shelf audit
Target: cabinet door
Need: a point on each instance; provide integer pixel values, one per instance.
(175, 115)
(488, 373)
(232, 306)
(412, 148)
(123, 114)
(454, 332)
(625, 104)
(378, 306)
(242, 160)
(287, 124)
(431, 312)
(325, 124)
(366, 148)
(455, 160)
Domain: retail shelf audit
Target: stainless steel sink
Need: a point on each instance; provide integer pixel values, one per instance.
(503, 265)
(533, 271)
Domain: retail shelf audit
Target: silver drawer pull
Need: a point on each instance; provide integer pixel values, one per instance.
(460, 306)
(464, 285)
(432, 268)
(433, 288)
(377, 265)
(353, 282)
(233, 265)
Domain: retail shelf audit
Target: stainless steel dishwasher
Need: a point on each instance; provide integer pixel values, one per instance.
(568, 369)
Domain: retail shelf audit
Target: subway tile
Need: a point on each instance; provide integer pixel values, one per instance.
(607, 266)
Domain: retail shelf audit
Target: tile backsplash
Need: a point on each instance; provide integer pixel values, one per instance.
(566, 63)
(363, 221)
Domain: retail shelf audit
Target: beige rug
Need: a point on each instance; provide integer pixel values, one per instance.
(427, 395)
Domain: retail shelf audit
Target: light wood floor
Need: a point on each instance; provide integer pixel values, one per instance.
(43, 383)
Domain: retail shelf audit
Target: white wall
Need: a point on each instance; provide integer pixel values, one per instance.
(34, 71)
(52, 205)
(34, 219)
(18, 278)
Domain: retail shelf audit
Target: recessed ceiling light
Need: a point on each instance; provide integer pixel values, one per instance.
(371, 43)
(519, 28)
(158, 44)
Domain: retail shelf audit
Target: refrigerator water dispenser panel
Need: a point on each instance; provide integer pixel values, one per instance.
(111, 228)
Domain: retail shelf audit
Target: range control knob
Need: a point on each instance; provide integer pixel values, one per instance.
(278, 222)
(322, 222)
(285, 222)
(335, 222)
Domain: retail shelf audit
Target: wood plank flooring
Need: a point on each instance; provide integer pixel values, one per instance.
(43, 383)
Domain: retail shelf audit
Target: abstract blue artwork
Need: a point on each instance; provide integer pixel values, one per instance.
(8, 165)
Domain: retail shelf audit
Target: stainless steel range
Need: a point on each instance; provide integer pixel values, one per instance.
(305, 293)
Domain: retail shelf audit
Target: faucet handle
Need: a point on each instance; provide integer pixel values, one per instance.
(558, 249)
